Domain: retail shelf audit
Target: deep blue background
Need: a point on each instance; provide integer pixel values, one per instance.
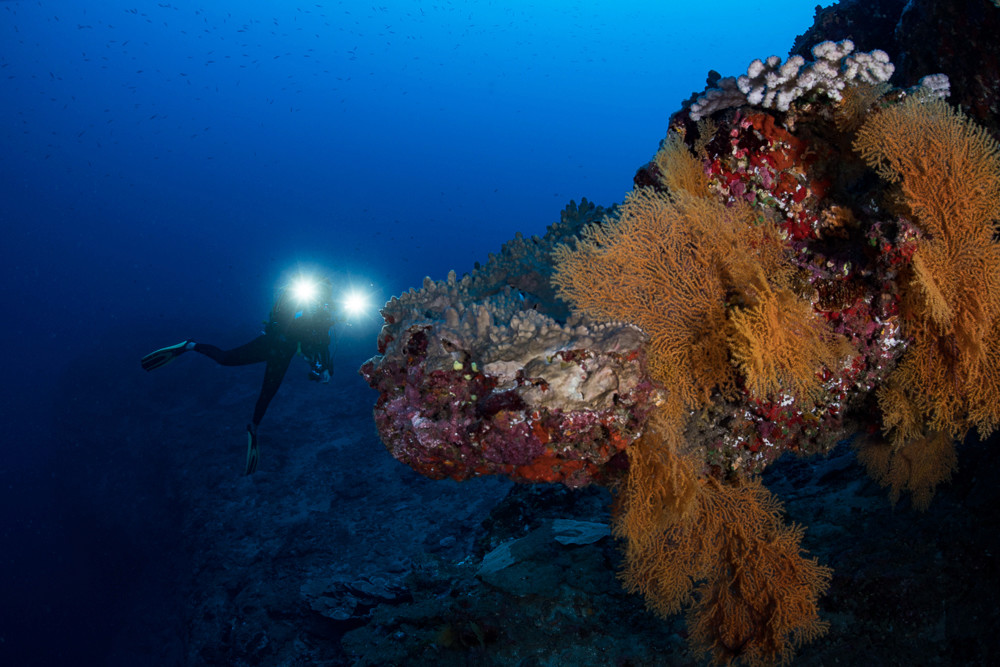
(165, 166)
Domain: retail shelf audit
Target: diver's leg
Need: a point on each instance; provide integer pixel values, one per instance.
(277, 364)
(253, 352)
(165, 355)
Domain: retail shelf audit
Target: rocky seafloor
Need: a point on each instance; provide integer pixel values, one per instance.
(336, 554)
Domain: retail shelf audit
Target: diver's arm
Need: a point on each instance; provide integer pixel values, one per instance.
(316, 348)
(320, 364)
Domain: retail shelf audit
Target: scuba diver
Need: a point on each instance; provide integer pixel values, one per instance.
(300, 322)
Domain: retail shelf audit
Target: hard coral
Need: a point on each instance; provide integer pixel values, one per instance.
(471, 386)
(775, 85)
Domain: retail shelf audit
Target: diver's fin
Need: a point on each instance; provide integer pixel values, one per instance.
(253, 451)
(165, 355)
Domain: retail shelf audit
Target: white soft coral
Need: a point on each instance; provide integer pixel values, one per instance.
(775, 85)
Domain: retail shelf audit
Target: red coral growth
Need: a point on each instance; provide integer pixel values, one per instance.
(457, 424)
(760, 162)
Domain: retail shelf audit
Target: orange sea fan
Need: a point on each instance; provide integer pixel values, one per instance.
(680, 170)
(948, 167)
(655, 265)
(917, 466)
(948, 170)
(759, 602)
(752, 593)
(780, 345)
(660, 497)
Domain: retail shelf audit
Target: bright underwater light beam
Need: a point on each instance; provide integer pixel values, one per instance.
(355, 303)
(304, 290)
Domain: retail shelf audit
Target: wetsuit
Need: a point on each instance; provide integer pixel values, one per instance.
(289, 329)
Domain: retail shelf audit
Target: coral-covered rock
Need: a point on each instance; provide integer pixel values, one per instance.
(472, 386)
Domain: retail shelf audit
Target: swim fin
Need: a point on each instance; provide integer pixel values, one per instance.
(165, 355)
(253, 451)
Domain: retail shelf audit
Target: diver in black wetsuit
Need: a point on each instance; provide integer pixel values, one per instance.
(300, 321)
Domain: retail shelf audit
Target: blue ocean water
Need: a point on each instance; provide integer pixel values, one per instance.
(165, 167)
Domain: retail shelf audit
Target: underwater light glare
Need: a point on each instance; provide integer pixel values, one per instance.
(304, 290)
(355, 303)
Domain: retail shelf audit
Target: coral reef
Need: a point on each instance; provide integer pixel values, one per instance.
(810, 261)
(773, 85)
